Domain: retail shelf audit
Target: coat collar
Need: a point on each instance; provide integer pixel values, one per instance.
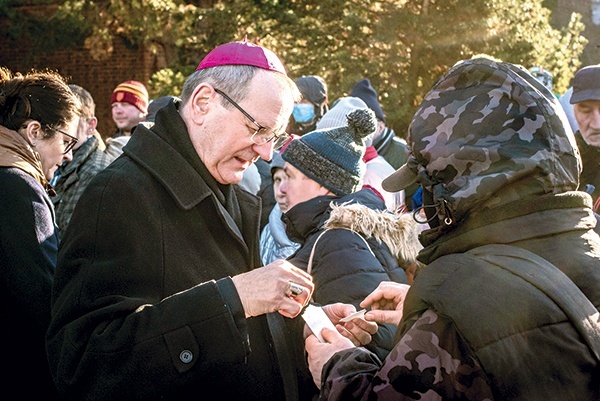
(167, 165)
(308, 217)
(524, 219)
(165, 151)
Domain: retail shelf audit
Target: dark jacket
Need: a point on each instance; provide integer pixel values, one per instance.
(590, 175)
(344, 269)
(517, 323)
(28, 249)
(521, 193)
(143, 304)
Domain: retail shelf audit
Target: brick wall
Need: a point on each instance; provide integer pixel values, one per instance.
(98, 77)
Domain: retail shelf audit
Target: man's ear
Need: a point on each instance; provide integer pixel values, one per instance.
(200, 102)
(92, 123)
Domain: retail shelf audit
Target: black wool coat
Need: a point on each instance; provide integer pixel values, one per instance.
(143, 304)
(28, 248)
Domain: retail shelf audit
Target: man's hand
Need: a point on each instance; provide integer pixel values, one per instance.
(319, 353)
(358, 330)
(279, 286)
(386, 302)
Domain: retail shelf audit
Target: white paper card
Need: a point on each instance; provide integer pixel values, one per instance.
(316, 319)
(359, 314)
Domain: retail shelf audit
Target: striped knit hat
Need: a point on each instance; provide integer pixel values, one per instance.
(132, 92)
(334, 157)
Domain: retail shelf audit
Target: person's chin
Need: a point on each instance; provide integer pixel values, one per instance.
(234, 177)
(50, 173)
(593, 140)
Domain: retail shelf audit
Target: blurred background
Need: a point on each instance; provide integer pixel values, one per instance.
(402, 46)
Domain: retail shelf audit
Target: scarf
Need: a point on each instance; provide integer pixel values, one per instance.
(370, 154)
(16, 152)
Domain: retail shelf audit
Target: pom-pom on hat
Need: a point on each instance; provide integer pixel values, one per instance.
(333, 157)
(132, 92)
(242, 53)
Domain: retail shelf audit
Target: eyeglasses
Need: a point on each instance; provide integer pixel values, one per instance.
(263, 134)
(72, 142)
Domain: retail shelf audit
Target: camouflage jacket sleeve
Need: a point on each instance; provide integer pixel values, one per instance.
(430, 362)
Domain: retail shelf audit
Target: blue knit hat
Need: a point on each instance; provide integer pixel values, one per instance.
(334, 157)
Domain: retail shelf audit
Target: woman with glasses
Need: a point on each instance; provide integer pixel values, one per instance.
(38, 122)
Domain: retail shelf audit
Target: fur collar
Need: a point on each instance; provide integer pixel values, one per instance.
(400, 232)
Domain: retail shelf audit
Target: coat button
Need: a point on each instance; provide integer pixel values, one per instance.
(186, 356)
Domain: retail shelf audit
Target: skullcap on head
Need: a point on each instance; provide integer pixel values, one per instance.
(242, 53)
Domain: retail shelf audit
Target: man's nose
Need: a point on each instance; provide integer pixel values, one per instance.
(595, 121)
(265, 151)
(283, 187)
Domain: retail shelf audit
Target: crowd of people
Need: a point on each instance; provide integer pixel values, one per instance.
(177, 256)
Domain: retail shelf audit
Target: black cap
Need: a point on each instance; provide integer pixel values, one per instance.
(586, 84)
(364, 91)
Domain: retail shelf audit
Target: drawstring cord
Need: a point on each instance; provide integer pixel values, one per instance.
(441, 210)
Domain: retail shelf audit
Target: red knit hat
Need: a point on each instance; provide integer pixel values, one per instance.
(132, 92)
(242, 53)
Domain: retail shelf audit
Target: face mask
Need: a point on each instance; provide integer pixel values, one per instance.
(303, 113)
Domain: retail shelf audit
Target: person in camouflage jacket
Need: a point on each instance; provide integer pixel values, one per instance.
(497, 167)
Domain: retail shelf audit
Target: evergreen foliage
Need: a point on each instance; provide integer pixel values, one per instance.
(401, 45)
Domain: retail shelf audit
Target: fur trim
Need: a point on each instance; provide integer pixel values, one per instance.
(400, 232)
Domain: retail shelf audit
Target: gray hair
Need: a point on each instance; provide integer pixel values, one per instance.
(233, 80)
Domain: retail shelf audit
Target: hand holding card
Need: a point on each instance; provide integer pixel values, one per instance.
(316, 319)
(358, 314)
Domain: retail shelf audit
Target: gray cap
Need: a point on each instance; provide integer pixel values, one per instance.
(276, 162)
(336, 116)
(586, 84)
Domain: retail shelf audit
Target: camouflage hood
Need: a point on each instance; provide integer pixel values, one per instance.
(487, 134)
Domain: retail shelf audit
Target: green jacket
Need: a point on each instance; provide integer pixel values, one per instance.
(516, 331)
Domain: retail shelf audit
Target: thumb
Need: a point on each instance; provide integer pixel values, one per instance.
(311, 340)
(329, 335)
(383, 316)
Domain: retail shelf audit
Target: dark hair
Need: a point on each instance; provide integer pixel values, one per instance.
(38, 95)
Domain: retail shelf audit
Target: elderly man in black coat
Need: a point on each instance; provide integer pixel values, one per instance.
(159, 291)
